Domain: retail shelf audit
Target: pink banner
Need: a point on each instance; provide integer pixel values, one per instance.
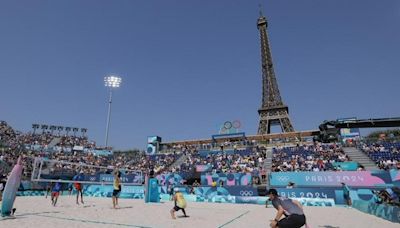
(351, 178)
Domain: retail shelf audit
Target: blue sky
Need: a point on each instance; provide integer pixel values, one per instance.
(188, 66)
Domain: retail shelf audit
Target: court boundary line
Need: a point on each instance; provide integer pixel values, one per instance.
(93, 221)
(234, 219)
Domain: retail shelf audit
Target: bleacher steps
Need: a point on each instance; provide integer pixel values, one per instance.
(179, 161)
(54, 142)
(358, 156)
(268, 164)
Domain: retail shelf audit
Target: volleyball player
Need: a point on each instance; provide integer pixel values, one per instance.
(78, 186)
(55, 192)
(117, 188)
(291, 209)
(180, 203)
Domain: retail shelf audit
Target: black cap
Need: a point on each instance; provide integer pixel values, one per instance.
(272, 191)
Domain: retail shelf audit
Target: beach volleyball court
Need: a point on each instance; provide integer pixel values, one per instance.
(37, 212)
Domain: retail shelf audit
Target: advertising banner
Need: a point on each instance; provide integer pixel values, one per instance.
(230, 179)
(134, 178)
(385, 211)
(132, 192)
(395, 177)
(346, 166)
(170, 179)
(331, 179)
(307, 192)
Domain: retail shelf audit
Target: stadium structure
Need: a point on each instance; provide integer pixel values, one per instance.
(228, 167)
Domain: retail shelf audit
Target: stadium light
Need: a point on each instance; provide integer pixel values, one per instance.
(68, 129)
(75, 129)
(111, 82)
(44, 128)
(59, 129)
(52, 128)
(35, 126)
(83, 131)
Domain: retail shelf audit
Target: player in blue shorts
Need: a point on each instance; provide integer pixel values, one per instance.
(55, 192)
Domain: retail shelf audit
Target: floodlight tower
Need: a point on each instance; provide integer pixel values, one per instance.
(111, 82)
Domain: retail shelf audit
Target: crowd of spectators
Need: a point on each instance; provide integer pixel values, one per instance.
(40, 140)
(69, 163)
(238, 143)
(315, 158)
(386, 155)
(224, 158)
(14, 144)
(8, 135)
(241, 156)
(390, 196)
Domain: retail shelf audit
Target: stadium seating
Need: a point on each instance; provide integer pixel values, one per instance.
(385, 154)
(308, 158)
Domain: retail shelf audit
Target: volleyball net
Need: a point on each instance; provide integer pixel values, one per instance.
(45, 170)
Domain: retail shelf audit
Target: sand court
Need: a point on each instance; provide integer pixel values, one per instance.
(35, 212)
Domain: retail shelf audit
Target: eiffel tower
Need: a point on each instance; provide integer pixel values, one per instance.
(273, 111)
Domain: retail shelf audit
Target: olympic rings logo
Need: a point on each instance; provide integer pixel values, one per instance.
(283, 178)
(246, 193)
(228, 125)
(92, 178)
(236, 124)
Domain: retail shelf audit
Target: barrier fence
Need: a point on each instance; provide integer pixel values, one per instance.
(388, 212)
(334, 179)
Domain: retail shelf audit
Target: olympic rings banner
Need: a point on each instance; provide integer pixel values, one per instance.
(226, 193)
(248, 195)
(332, 179)
(230, 127)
